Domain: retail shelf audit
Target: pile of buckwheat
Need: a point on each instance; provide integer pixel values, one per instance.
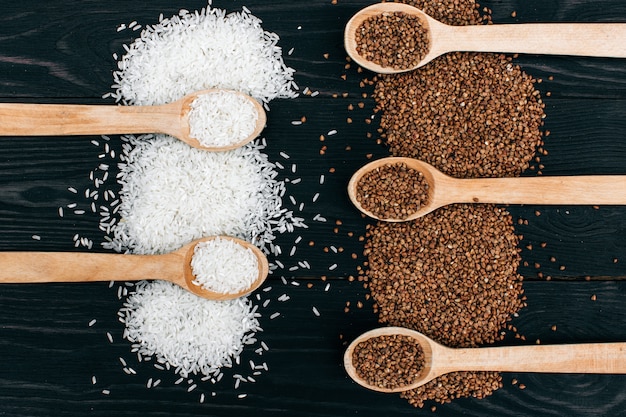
(469, 115)
(452, 274)
(397, 40)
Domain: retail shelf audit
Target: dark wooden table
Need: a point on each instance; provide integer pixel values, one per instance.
(61, 52)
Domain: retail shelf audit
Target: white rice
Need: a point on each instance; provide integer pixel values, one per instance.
(224, 266)
(201, 50)
(193, 335)
(222, 118)
(172, 193)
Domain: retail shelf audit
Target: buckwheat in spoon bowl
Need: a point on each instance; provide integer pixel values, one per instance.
(395, 37)
(213, 119)
(399, 189)
(215, 268)
(396, 359)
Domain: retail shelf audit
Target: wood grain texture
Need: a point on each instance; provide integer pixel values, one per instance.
(61, 52)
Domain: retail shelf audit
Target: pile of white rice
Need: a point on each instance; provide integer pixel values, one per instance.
(168, 323)
(198, 50)
(172, 193)
(224, 266)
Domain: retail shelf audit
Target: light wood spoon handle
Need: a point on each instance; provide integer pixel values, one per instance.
(569, 190)
(597, 358)
(580, 39)
(27, 267)
(21, 119)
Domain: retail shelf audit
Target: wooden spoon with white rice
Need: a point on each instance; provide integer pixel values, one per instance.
(215, 268)
(213, 120)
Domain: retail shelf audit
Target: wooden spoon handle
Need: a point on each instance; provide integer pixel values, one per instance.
(591, 189)
(21, 119)
(580, 39)
(27, 267)
(597, 358)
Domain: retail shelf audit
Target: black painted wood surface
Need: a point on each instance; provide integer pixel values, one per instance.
(61, 52)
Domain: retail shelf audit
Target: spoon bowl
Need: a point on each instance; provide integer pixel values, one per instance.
(39, 267)
(432, 176)
(429, 348)
(353, 25)
(596, 358)
(546, 190)
(575, 39)
(188, 276)
(19, 119)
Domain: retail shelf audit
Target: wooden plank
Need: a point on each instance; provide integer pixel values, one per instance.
(46, 331)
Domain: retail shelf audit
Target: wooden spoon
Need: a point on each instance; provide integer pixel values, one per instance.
(37, 267)
(20, 119)
(582, 39)
(584, 358)
(444, 190)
